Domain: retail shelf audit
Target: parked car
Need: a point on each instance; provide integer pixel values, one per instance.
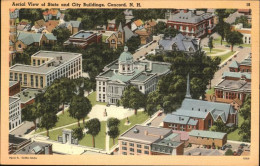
(240, 46)
(223, 147)
(227, 45)
(239, 152)
(159, 113)
(228, 146)
(148, 124)
(235, 153)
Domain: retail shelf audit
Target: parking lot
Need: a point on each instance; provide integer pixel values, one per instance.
(198, 150)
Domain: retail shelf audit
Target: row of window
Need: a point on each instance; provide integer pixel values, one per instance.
(13, 125)
(137, 145)
(133, 150)
(14, 115)
(24, 80)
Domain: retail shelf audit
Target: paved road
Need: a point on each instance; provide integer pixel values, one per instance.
(158, 120)
(23, 129)
(242, 54)
(142, 52)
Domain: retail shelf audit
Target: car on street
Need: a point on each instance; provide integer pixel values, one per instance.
(227, 45)
(223, 147)
(240, 47)
(148, 124)
(239, 152)
(228, 146)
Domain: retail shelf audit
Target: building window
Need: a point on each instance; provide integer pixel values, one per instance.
(104, 89)
(15, 76)
(99, 82)
(19, 46)
(146, 152)
(124, 143)
(99, 89)
(128, 67)
(41, 81)
(124, 153)
(104, 83)
(124, 148)
(139, 151)
(123, 67)
(132, 149)
(32, 80)
(25, 79)
(140, 87)
(11, 76)
(36, 81)
(39, 62)
(139, 146)
(20, 78)
(146, 147)
(131, 144)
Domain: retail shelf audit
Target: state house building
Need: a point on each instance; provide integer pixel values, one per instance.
(125, 71)
(46, 66)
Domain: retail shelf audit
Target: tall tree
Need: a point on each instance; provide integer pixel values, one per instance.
(113, 122)
(113, 133)
(48, 121)
(245, 128)
(77, 133)
(233, 38)
(243, 20)
(133, 43)
(153, 103)
(133, 98)
(93, 127)
(210, 44)
(30, 113)
(82, 84)
(80, 107)
(62, 34)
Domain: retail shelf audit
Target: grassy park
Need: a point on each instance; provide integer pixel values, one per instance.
(234, 135)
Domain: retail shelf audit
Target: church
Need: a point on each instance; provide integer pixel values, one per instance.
(197, 114)
(117, 75)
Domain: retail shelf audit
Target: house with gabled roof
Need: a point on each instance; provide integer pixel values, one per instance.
(137, 25)
(197, 114)
(25, 39)
(178, 43)
(51, 13)
(73, 26)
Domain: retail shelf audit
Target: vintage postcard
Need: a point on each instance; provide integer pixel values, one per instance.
(130, 82)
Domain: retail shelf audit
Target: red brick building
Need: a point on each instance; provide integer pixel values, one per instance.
(84, 38)
(190, 24)
(236, 83)
(199, 114)
(14, 87)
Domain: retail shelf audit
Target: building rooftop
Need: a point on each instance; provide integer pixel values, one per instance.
(12, 83)
(145, 134)
(207, 134)
(28, 94)
(13, 99)
(32, 148)
(236, 75)
(83, 34)
(29, 38)
(232, 17)
(16, 140)
(234, 64)
(184, 134)
(54, 59)
(189, 17)
(181, 42)
(238, 85)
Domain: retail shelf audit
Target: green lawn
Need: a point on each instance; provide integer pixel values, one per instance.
(134, 119)
(87, 140)
(92, 99)
(234, 135)
(217, 40)
(225, 56)
(213, 50)
(63, 119)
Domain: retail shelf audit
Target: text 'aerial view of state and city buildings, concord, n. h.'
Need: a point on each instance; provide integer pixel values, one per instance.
(130, 82)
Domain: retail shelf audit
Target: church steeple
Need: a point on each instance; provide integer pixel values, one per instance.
(188, 87)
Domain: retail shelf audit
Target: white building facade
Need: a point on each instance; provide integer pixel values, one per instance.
(46, 66)
(125, 71)
(15, 117)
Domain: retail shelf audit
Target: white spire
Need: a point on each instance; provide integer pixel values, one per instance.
(188, 87)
